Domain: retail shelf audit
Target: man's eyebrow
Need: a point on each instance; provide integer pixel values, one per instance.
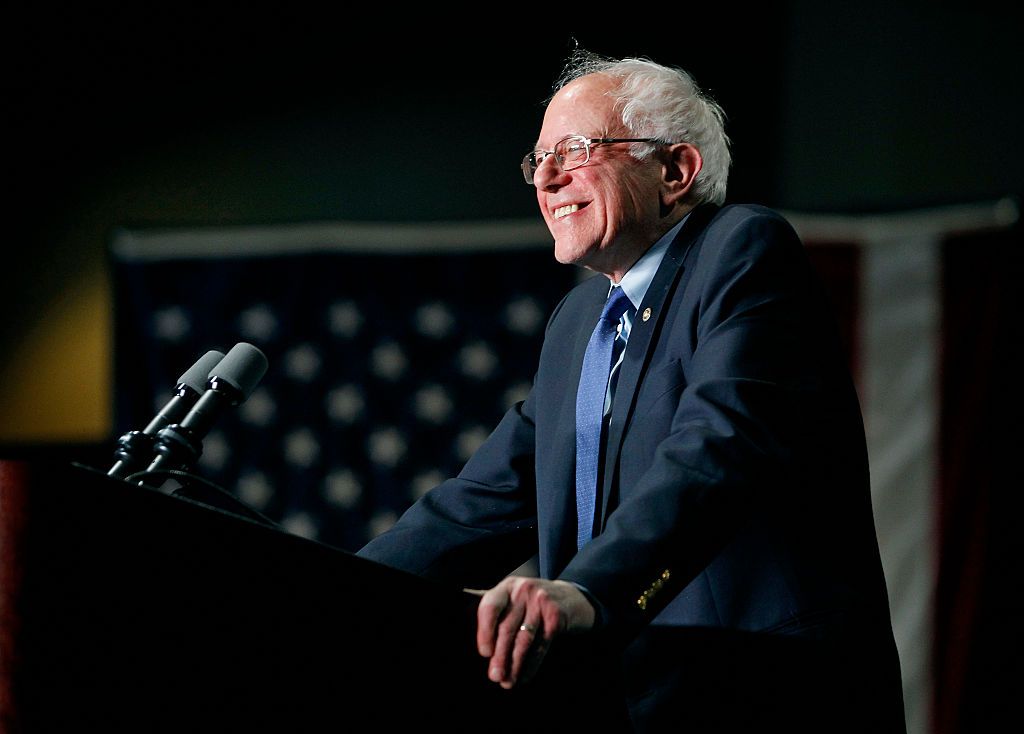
(536, 146)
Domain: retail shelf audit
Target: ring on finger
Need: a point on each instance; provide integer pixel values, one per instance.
(527, 628)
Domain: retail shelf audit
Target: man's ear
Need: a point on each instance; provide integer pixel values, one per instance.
(680, 165)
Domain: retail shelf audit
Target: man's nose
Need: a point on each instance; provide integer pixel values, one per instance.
(549, 176)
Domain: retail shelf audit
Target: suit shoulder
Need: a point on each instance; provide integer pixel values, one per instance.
(748, 230)
(751, 217)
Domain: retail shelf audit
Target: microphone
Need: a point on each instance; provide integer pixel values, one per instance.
(135, 448)
(230, 383)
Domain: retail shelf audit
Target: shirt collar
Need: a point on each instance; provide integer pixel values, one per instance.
(638, 278)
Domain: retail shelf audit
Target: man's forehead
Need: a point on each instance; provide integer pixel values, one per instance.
(581, 107)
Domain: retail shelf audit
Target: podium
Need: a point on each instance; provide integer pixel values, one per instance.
(126, 609)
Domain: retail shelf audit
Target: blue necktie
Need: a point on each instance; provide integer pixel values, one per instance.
(590, 398)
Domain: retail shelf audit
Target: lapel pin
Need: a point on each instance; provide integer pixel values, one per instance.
(647, 314)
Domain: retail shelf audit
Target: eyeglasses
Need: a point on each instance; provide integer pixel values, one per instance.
(571, 152)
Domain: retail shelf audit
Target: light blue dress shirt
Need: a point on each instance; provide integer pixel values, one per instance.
(635, 283)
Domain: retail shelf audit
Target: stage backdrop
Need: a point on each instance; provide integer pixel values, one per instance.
(394, 349)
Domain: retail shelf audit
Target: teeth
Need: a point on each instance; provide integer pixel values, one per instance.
(563, 211)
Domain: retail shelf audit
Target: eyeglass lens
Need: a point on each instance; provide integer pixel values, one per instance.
(569, 153)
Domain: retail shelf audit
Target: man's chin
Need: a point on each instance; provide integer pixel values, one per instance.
(569, 254)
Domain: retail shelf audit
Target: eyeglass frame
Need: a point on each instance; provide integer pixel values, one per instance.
(529, 170)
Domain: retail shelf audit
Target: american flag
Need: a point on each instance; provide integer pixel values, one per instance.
(928, 310)
(394, 350)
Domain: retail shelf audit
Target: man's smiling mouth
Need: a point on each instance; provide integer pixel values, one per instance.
(564, 211)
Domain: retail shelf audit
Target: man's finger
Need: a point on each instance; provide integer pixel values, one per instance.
(488, 615)
(527, 640)
(508, 629)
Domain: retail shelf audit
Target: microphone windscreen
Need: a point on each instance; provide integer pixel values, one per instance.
(196, 375)
(243, 367)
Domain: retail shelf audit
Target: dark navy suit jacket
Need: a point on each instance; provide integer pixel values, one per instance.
(734, 491)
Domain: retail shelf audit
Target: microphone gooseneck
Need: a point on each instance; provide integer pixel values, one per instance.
(135, 448)
(230, 383)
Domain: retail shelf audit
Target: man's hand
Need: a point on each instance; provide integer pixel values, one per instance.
(518, 619)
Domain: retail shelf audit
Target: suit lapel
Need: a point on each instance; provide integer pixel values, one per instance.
(641, 341)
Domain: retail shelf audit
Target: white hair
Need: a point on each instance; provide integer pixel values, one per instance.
(666, 104)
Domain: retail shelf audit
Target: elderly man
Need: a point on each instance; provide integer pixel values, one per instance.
(691, 456)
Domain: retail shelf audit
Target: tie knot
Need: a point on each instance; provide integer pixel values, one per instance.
(616, 305)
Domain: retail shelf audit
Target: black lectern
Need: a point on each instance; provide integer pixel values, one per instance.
(125, 609)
